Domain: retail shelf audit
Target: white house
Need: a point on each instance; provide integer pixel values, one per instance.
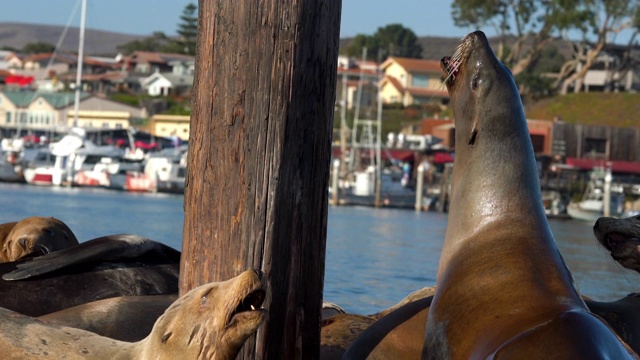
(163, 84)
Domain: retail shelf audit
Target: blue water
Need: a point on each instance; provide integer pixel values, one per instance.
(375, 257)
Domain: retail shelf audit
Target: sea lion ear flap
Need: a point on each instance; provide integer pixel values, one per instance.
(474, 134)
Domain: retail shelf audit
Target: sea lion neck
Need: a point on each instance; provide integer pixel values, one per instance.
(493, 149)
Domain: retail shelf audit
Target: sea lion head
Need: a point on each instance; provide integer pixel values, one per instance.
(482, 90)
(35, 236)
(621, 237)
(212, 321)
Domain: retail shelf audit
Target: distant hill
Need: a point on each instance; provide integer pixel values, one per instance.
(96, 42)
(433, 47)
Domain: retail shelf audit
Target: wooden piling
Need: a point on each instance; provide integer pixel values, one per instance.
(258, 162)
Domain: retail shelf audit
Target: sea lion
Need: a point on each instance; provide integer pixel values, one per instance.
(621, 237)
(209, 322)
(339, 331)
(112, 317)
(110, 266)
(503, 289)
(36, 235)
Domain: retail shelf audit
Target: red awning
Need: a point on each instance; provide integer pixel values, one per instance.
(616, 166)
(18, 80)
(442, 158)
(385, 154)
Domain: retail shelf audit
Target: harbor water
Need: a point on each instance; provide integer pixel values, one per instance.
(375, 257)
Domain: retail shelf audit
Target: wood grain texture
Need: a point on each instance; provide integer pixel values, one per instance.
(258, 163)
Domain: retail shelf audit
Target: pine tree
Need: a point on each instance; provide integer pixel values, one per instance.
(188, 29)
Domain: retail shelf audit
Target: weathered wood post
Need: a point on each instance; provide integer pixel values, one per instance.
(258, 163)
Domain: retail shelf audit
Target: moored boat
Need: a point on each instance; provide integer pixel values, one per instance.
(592, 205)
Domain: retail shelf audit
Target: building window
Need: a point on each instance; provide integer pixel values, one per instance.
(420, 81)
(420, 100)
(8, 118)
(594, 146)
(118, 126)
(105, 125)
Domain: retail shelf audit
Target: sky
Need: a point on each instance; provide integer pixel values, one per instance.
(143, 17)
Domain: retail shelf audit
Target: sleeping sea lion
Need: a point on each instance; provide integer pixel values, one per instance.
(113, 317)
(503, 289)
(109, 266)
(34, 236)
(209, 322)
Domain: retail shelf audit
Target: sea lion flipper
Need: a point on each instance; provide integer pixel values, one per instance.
(111, 247)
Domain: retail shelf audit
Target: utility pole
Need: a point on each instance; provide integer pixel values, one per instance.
(258, 161)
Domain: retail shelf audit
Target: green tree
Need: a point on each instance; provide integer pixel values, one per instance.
(536, 22)
(38, 47)
(188, 29)
(391, 40)
(396, 40)
(604, 20)
(359, 43)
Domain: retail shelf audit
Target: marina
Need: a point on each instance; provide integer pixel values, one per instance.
(374, 258)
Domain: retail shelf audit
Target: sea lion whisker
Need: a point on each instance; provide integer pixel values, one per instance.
(43, 249)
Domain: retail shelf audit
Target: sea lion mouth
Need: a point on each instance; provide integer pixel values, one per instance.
(450, 70)
(251, 302)
(249, 307)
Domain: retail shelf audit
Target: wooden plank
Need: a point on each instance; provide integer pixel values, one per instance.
(258, 163)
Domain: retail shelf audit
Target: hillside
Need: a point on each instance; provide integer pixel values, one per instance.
(97, 42)
(613, 109)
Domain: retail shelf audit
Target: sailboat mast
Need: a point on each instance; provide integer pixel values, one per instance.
(379, 139)
(76, 104)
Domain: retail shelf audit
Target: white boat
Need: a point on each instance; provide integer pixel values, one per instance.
(393, 193)
(167, 169)
(52, 166)
(42, 169)
(95, 165)
(591, 206)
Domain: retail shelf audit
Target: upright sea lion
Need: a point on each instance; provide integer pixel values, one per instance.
(110, 266)
(622, 238)
(36, 235)
(503, 289)
(209, 322)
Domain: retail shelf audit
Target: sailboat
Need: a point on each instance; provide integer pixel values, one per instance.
(54, 166)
